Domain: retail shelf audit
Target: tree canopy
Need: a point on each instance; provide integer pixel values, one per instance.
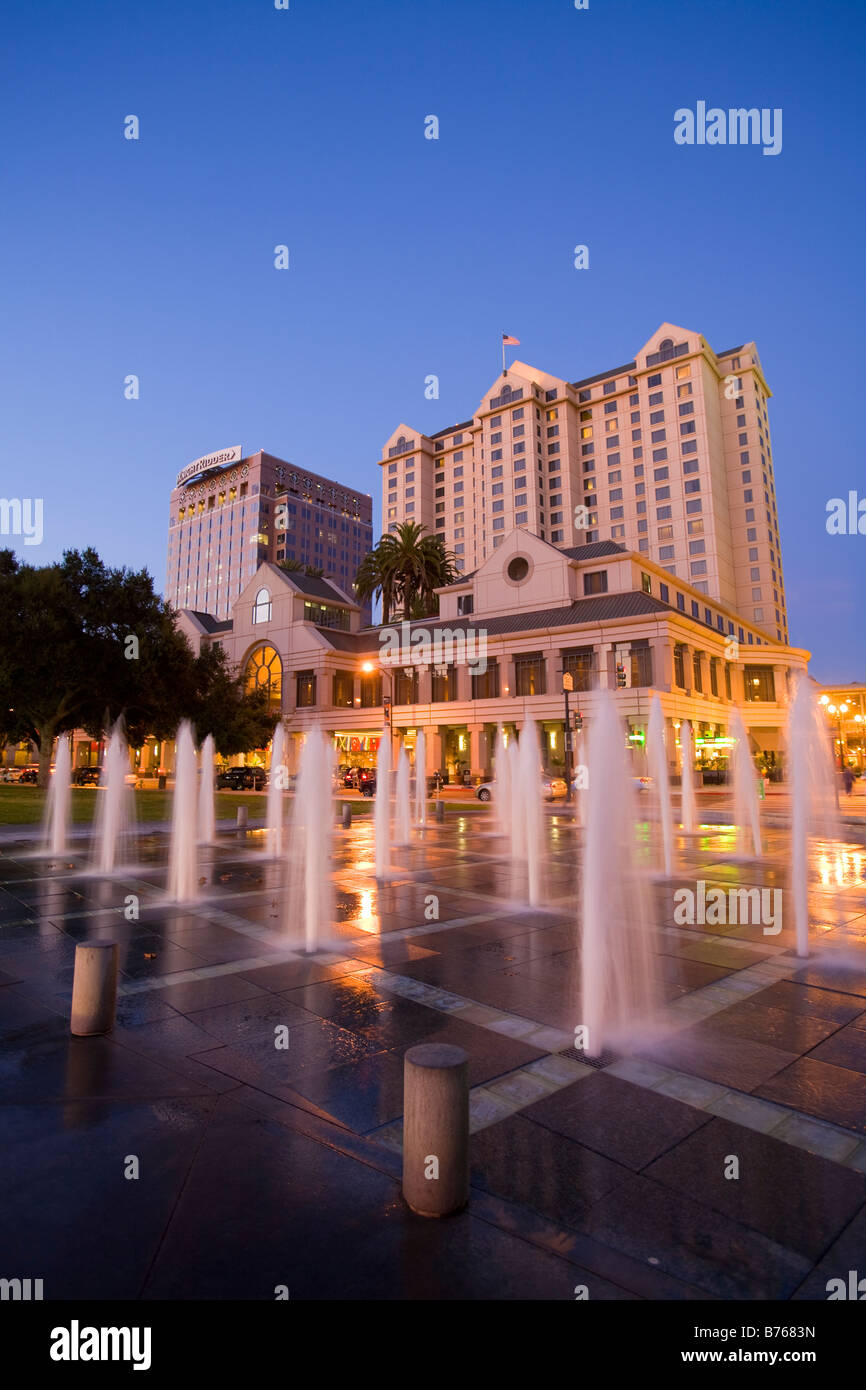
(82, 644)
(406, 567)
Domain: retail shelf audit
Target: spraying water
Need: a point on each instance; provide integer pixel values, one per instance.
(688, 811)
(206, 806)
(515, 818)
(403, 817)
(59, 794)
(310, 896)
(619, 992)
(746, 812)
(382, 807)
(421, 779)
(813, 797)
(529, 776)
(502, 784)
(183, 847)
(114, 807)
(658, 767)
(276, 784)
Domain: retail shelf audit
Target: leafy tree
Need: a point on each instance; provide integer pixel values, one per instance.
(82, 644)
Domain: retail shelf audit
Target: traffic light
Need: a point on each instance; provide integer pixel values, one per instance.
(620, 675)
(386, 710)
(578, 723)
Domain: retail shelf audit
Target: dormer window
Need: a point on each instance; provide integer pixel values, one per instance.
(262, 607)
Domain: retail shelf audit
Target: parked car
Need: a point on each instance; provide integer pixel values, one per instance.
(10, 774)
(640, 784)
(86, 776)
(551, 789)
(367, 781)
(29, 774)
(242, 779)
(350, 776)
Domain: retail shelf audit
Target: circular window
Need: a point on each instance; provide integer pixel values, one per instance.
(518, 569)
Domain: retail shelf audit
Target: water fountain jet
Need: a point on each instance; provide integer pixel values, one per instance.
(59, 797)
(658, 769)
(206, 803)
(183, 847)
(619, 990)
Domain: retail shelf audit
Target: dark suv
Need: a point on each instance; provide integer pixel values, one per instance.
(86, 776)
(242, 779)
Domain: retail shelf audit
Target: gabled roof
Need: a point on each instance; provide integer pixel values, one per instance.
(208, 622)
(594, 551)
(312, 585)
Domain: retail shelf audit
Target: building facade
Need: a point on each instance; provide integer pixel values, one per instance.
(668, 454)
(229, 514)
(496, 655)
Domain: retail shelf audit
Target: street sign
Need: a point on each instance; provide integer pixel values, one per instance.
(567, 680)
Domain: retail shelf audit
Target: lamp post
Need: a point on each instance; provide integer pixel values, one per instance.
(840, 710)
(368, 668)
(567, 687)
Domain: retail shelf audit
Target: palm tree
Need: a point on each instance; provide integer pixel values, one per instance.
(406, 566)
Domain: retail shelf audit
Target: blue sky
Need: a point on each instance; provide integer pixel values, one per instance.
(411, 256)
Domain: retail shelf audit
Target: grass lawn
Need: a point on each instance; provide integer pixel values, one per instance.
(25, 805)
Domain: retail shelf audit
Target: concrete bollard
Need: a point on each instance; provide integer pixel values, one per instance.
(243, 817)
(436, 1129)
(347, 815)
(94, 988)
(440, 810)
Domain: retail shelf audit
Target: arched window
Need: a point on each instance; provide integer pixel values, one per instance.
(666, 349)
(262, 607)
(265, 672)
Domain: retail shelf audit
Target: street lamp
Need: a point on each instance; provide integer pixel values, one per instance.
(567, 688)
(841, 711)
(368, 667)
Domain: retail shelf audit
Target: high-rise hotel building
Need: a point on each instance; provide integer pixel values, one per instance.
(230, 512)
(669, 455)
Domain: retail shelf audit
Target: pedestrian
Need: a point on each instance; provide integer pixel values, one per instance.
(848, 779)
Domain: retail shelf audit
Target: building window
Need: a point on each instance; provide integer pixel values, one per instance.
(641, 664)
(595, 582)
(371, 692)
(529, 675)
(406, 686)
(646, 583)
(264, 671)
(305, 689)
(485, 686)
(759, 683)
(262, 607)
(679, 667)
(714, 675)
(444, 684)
(344, 689)
(579, 662)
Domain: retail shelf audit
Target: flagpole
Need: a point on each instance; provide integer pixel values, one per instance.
(504, 373)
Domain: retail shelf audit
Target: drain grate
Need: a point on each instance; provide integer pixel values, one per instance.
(605, 1060)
